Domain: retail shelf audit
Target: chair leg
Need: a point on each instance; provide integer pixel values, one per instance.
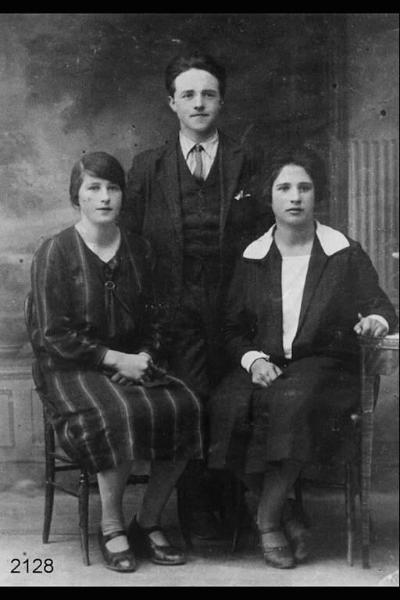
(239, 505)
(49, 443)
(372, 529)
(350, 512)
(83, 500)
(183, 516)
(298, 493)
(48, 511)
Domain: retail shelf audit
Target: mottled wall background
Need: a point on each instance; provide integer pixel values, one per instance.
(373, 75)
(72, 83)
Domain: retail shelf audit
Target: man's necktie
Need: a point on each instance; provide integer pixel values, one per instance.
(198, 169)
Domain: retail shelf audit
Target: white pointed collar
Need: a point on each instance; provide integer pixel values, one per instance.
(209, 146)
(331, 241)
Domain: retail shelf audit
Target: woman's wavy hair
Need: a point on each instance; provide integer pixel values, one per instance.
(96, 164)
(303, 155)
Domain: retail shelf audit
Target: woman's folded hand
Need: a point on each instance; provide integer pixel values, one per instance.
(263, 372)
(128, 367)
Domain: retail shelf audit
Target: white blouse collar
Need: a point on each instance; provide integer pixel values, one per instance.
(331, 241)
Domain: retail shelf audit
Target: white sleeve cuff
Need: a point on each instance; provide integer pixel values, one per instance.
(381, 320)
(249, 357)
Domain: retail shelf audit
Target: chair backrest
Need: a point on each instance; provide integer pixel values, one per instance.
(28, 314)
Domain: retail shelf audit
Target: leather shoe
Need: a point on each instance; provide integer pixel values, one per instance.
(277, 554)
(299, 538)
(205, 526)
(296, 526)
(139, 537)
(123, 561)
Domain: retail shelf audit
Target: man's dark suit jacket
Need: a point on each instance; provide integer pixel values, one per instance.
(153, 208)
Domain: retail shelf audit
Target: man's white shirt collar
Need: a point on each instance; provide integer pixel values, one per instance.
(210, 146)
(331, 241)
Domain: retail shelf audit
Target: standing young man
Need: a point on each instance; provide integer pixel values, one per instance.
(193, 200)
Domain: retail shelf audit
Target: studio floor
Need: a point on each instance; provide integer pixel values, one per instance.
(209, 564)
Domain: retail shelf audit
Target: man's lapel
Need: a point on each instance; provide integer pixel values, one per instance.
(231, 161)
(168, 178)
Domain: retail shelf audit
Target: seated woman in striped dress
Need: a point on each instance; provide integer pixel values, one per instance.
(96, 336)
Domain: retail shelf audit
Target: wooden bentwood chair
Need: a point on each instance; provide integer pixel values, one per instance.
(56, 461)
(348, 478)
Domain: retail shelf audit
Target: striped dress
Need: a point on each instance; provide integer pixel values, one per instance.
(82, 307)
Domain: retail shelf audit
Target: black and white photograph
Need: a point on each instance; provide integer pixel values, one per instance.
(199, 300)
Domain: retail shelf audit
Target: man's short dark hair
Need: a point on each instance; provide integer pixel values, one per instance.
(194, 60)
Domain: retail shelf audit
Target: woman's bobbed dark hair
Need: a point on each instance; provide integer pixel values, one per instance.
(301, 155)
(96, 164)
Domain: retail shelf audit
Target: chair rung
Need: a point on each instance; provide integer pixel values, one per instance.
(66, 468)
(63, 458)
(138, 479)
(323, 484)
(64, 489)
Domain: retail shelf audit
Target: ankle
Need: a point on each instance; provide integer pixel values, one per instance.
(146, 524)
(154, 533)
(274, 539)
(265, 526)
(115, 541)
(110, 525)
(118, 544)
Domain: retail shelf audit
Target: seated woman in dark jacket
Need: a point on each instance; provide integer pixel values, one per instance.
(96, 337)
(301, 295)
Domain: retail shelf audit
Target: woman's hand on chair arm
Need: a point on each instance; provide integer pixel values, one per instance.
(371, 326)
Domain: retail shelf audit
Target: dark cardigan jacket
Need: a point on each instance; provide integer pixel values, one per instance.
(341, 283)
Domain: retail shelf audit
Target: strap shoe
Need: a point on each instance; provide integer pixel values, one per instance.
(140, 538)
(123, 561)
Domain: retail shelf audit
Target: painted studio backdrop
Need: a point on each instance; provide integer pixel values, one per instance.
(74, 83)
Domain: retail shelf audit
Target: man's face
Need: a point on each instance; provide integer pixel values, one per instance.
(197, 102)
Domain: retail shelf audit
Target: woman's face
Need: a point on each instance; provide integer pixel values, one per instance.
(99, 200)
(293, 196)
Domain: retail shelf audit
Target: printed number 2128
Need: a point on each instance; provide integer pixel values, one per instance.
(36, 565)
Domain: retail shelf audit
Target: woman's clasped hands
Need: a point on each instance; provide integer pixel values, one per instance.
(129, 369)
